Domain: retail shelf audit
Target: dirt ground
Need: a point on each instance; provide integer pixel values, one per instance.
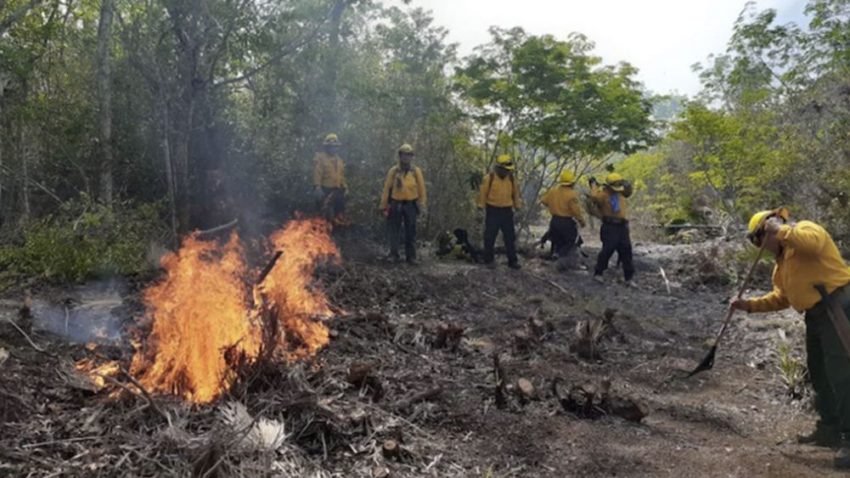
(437, 400)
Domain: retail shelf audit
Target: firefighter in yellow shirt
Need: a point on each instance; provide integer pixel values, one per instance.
(499, 197)
(610, 200)
(402, 200)
(565, 208)
(806, 257)
(329, 180)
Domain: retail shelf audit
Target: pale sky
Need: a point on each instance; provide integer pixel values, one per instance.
(662, 38)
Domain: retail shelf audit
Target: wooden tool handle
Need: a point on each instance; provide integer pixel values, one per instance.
(741, 290)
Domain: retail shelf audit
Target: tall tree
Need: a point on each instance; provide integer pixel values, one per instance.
(104, 96)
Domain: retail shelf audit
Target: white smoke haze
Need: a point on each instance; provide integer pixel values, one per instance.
(89, 313)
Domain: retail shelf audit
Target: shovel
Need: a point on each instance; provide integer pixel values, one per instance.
(708, 362)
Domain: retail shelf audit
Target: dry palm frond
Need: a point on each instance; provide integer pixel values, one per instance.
(256, 434)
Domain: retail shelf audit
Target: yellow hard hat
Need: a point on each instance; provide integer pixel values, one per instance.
(331, 140)
(505, 162)
(405, 149)
(567, 177)
(615, 182)
(758, 219)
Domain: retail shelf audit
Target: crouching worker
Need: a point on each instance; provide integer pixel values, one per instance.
(614, 233)
(457, 244)
(807, 260)
(499, 196)
(563, 204)
(402, 200)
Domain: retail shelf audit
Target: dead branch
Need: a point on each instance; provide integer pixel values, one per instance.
(222, 227)
(549, 282)
(418, 397)
(32, 344)
(501, 382)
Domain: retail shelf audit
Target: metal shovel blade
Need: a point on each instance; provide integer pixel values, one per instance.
(706, 364)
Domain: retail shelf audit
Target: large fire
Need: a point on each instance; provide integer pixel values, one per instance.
(202, 309)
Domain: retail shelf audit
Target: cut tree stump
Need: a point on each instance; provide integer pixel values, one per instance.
(448, 336)
(523, 341)
(362, 376)
(539, 328)
(380, 472)
(526, 389)
(591, 402)
(500, 391)
(390, 449)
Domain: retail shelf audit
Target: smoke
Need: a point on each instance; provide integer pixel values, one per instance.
(93, 312)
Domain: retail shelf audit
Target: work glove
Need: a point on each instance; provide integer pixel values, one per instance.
(772, 225)
(740, 304)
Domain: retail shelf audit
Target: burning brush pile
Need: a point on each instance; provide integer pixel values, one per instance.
(224, 377)
(210, 316)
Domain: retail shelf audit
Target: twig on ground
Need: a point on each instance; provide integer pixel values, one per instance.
(55, 442)
(36, 347)
(550, 282)
(666, 282)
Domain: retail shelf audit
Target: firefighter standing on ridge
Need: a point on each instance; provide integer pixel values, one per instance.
(499, 197)
(329, 180)
(402, 200)
(811, 276)
(565, 208)
(614, 233)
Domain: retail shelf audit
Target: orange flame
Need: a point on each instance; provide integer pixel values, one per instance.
(97, 373)
(288, 287)
(200, 310)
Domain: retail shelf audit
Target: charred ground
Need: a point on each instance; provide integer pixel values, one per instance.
(411, 363)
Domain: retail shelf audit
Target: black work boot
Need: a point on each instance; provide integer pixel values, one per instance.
(842, 457)
(824, 434)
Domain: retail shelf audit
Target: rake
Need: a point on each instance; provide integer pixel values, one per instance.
(708, 362)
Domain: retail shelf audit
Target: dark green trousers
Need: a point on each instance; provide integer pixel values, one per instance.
(829, 365)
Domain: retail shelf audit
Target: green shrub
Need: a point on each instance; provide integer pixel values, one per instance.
(791, 370)
(84, 240)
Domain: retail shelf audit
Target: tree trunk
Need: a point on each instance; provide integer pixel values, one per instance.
(25, 177)
(162, 106)
(330, 117)
(104, 94)
(3, 81)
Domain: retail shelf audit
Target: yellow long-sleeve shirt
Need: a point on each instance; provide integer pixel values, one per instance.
(602, 197)
(329, 171)
(563, 201)
(404, 186)
(499, 192)
(809, 256)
